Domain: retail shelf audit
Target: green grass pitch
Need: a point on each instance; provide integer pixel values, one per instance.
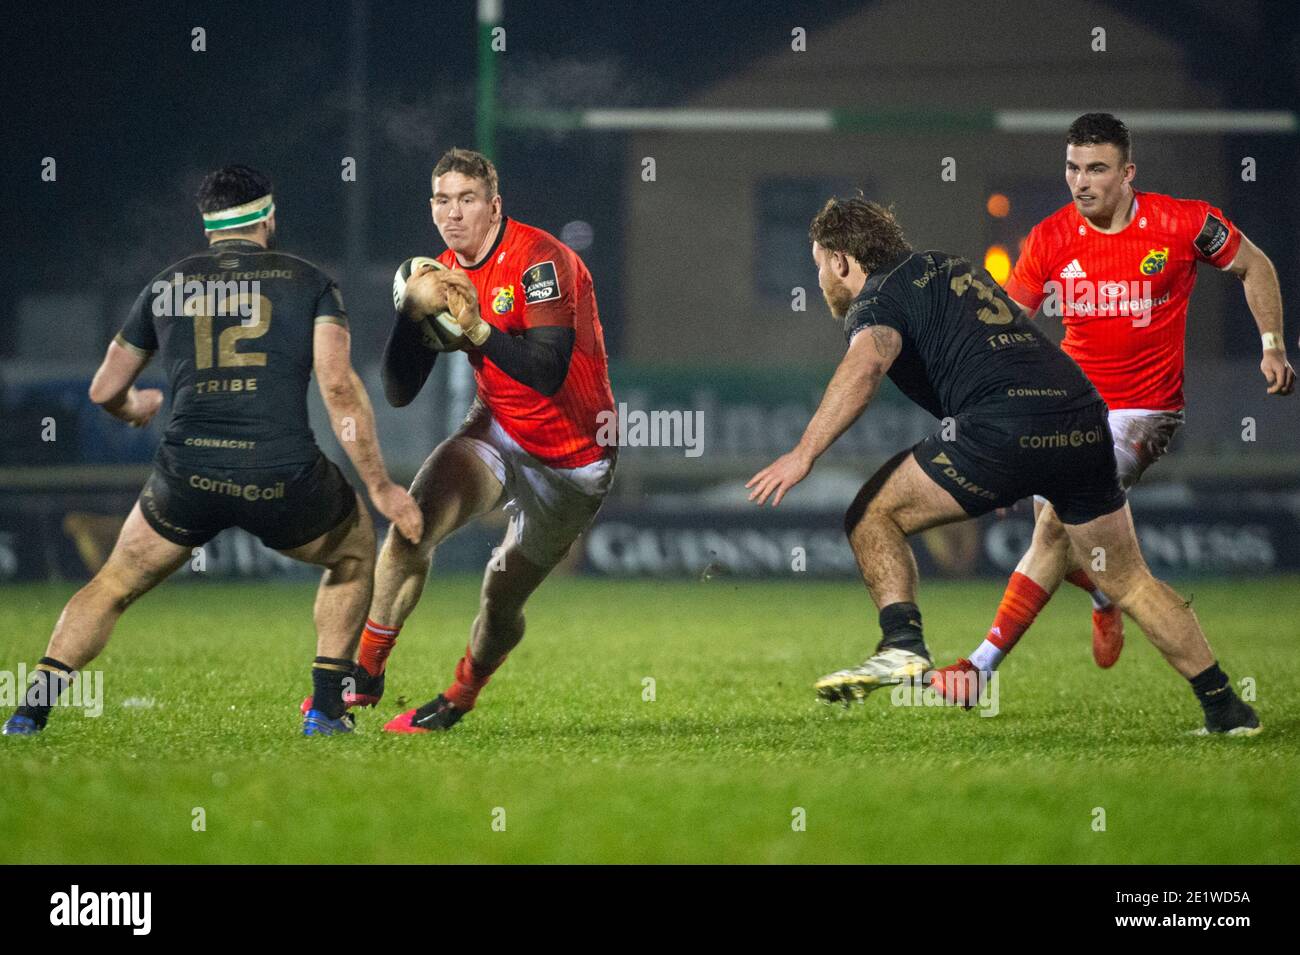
(566, 752)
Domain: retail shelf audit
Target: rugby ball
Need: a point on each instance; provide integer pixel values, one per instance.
(438, 330)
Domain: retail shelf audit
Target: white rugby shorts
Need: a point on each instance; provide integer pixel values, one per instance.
(1141, 438)
(549, 506)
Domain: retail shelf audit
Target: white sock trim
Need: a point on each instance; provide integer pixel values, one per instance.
(987, 656)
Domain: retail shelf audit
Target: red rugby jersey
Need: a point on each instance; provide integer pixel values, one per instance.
(530, 279)
(1123, 297)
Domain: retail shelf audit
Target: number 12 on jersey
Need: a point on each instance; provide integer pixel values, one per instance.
(228, 356)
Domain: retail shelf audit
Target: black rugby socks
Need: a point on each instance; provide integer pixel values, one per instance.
(327, 676)
(51, 678)
(900, 626)
(1213, 689)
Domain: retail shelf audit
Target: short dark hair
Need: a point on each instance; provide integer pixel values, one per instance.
(468, 163)
(864, 229)
(231, 186)
(1095, 129)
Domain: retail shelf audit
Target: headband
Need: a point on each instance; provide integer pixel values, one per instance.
(236, 217)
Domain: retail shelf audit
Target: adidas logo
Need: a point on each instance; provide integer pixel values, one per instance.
(1073, 271)
(940, 458)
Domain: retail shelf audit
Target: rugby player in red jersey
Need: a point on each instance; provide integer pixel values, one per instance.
(1028, 422)
(1119, 265)
(525, 302)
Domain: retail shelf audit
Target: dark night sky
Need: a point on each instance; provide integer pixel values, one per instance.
(134, 117)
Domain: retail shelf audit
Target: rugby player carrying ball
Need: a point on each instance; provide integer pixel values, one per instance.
(526, 304)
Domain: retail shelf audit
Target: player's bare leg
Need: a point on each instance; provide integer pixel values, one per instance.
(1140, 440)
(1107, 619)
(452, 488)
(348, 555)
(898, 501)
(1032, 584)
(141, 559)
(1049, 560)
(510, 579)
(1049, 556)
(1167, 619)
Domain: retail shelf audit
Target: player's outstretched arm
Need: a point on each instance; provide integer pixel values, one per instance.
(852, 387)
(113, 387)
(353, 421)
(1264, 298)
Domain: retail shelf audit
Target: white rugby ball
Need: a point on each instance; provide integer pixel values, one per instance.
(438, 331)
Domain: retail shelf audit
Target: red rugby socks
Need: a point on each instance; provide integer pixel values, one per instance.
(1081, 580)
(376, 644)
(1021, 603)
(471, 677)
